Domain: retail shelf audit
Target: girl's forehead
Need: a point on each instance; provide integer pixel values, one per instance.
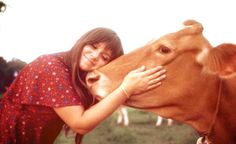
(104, 46)
(101, 44)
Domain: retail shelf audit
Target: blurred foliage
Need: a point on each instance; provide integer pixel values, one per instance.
(8, 71)
(3, 6)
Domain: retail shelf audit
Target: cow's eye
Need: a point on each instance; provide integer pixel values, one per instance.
(163, 49)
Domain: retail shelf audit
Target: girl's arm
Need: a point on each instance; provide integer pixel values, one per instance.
(137, 81)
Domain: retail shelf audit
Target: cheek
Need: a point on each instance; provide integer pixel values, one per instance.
(102, 63)
(86, 50)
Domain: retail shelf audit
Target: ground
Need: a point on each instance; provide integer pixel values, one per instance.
(142, 130)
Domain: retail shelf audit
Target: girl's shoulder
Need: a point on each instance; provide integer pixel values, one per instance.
(48, 58)
(49, 61)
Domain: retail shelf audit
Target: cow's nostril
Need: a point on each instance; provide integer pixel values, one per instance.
(92, 78)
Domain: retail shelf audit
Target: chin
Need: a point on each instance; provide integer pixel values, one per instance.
(86, 68)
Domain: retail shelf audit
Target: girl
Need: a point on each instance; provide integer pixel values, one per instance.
(51, 91)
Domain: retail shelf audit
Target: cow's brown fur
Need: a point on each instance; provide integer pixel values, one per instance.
(190, 93)
(221, 60)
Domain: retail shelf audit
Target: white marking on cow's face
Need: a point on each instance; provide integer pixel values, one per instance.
(201, 56)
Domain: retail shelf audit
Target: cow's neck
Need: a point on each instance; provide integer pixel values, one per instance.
(223, 130)
(208, 111)
(214, 123)
(222, 127)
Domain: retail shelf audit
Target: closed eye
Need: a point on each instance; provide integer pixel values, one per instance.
(106, 57)
(94, 46)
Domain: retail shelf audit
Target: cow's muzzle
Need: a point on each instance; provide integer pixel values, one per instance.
(98, 84)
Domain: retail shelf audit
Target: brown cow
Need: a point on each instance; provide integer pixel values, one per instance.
(200, 88)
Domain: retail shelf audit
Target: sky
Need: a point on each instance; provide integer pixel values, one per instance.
(29, 28)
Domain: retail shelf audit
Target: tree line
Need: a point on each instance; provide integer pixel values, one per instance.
(8, 72)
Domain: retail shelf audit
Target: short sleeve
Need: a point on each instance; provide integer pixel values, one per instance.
(47, 82)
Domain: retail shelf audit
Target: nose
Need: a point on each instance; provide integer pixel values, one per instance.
(95, 54)
(91, 78)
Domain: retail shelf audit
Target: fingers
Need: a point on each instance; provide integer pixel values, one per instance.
(140, 69)
(154, 85)
(152, 70)
(158, 74)
(140, 80)
(157, 79)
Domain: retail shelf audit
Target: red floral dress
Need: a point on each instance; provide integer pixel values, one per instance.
(26, 110)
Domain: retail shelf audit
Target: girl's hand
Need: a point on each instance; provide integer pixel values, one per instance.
(141, 80)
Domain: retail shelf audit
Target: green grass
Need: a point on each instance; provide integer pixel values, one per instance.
(142, 130)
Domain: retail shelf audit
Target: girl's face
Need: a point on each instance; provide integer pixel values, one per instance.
(94, 56)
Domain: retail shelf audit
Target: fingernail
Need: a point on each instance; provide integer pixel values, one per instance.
(164, 70)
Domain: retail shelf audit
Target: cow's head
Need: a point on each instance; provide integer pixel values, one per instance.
(193, 69)
(159, 52)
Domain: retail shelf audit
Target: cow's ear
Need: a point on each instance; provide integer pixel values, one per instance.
(220, 60)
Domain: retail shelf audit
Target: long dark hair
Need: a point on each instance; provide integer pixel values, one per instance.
(72, 60)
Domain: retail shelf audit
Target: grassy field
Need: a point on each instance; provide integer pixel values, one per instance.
(142, 130)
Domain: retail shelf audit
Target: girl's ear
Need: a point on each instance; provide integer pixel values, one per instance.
(220, 60)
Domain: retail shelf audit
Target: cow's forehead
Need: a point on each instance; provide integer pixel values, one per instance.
(166, 42)
(183, 41)
(171, 41)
